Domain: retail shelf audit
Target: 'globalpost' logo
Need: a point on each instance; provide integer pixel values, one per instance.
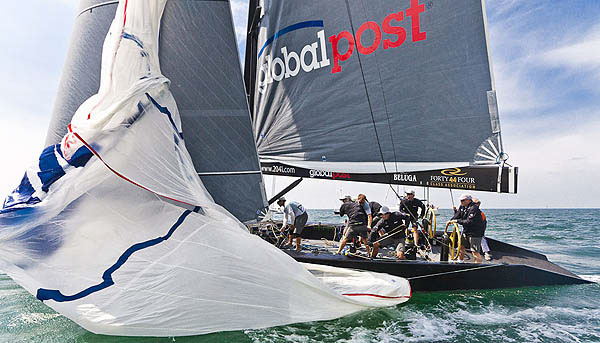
(314, 56)
(328, 175)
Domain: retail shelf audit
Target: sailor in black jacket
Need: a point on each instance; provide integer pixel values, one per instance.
(357, 223)
(411, 206)
(392, 225)
(375, 207)
(469, 216)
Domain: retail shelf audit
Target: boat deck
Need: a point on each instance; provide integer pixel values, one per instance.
(502, 253)
(510, 267)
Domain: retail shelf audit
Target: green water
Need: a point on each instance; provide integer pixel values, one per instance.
(540, 314)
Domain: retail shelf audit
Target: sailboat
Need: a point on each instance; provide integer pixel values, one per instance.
(130, 221)
(391, 92)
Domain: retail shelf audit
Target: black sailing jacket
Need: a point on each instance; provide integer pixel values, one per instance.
(471, 220)
(395, 220)
(356, 213)
(375, 207)
(413, 206)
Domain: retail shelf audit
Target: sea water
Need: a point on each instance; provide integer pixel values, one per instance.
(568, 237)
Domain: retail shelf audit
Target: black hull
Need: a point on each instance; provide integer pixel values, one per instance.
(444, 276)
(511, 267)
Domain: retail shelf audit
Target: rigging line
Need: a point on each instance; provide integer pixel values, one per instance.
(387, 113)
(366, 89)
(391, 233)
(369, 101)
(395, 192)
(454, 271)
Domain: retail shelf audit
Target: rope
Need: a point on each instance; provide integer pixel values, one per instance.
(452, 272)
(390, 234)
(328, 242)
(277, 243)
(424, 255)
(366, 90)
(387, 113)
(419, 225)
(369, 102)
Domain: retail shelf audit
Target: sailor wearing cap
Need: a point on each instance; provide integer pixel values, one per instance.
(294, 214)
(392, 225)
(469, 216)
(346, 198)
(411, 205)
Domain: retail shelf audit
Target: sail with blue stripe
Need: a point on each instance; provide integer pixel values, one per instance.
(113, 228)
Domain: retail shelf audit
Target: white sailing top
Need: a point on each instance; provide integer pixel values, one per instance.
(292, 210)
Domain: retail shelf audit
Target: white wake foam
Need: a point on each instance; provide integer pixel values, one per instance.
(594, 277)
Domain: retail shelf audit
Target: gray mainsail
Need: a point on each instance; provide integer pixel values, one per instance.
(199, 56)
(374, 90)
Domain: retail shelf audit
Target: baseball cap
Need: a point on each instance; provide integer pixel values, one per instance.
(384, 210)
(346, 197)
(465, 197)
(410, 191)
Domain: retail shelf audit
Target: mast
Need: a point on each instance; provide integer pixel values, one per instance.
(254, 13)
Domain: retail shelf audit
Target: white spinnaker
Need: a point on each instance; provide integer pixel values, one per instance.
(113, 243)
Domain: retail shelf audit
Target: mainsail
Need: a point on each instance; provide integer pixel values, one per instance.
(113, 228)
(397, 92)
(199, 54)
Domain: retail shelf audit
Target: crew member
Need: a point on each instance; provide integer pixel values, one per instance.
(484, 244)
(344, 200)
(411, 206)
(375, 210)
(362, 200)
(357, 223)
(294, 214)
(392, 225)
(469, 216)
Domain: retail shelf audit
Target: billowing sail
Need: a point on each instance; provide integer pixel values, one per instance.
(381, 91)
(199, 55)
(113, 228)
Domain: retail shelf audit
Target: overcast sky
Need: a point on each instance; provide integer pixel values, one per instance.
(546, 61)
